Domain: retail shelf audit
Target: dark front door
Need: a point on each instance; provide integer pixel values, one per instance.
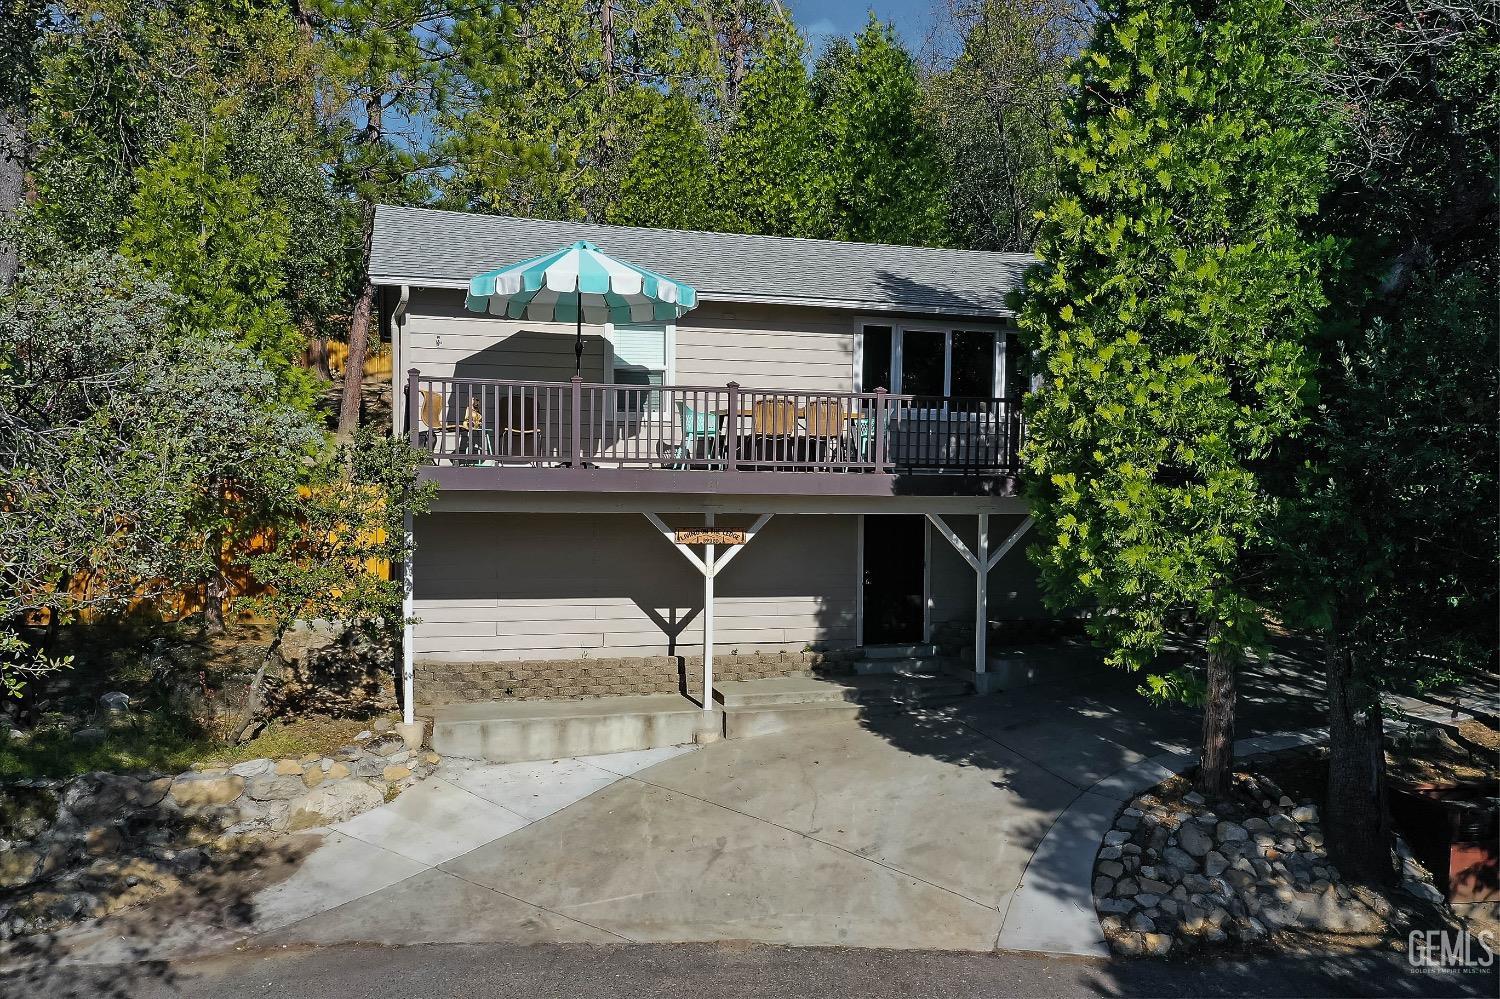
(894, 570)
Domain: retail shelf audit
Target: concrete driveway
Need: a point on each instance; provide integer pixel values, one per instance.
(912, 831)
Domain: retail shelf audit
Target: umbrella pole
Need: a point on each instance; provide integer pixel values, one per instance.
(578, 341)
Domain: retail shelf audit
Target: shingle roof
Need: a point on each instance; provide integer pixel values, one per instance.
(421, 246)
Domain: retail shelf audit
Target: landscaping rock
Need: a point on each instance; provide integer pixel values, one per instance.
(196, 790)
(288, 768)
(1305, 813)
(116, 702)
(275, 788)
(252, 768)
(1194, 840)
(1142, 923)
(1110, 868)
(1230, 832)
(330, 803)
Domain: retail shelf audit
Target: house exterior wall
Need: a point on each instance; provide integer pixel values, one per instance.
(1014, 592)
(781, 347)
(535, 587)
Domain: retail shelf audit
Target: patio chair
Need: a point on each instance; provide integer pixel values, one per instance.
(773, 425)
(700, 435)
(433, 426)
(859, 440)
(824, 422)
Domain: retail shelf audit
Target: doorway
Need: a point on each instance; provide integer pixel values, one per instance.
(894, 584)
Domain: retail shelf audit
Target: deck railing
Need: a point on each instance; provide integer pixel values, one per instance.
(500, 421)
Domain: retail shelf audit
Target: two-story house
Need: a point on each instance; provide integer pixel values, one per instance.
(811, 474)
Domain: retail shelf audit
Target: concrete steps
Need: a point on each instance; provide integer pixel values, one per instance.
(793, 703)
(516, 731)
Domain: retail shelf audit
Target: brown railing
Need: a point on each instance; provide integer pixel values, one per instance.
(499, 421)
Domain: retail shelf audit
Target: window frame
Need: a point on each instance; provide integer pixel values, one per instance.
(999, 331)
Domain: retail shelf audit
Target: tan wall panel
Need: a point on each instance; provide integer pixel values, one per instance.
(506, 587)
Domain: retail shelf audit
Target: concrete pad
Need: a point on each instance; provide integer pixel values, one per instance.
(531, 790)
(960, 812)
(650, 864)
(513, 731)
(432, 822)
(435, 907)
(338, 871)
(629, 764)
(1053, 911)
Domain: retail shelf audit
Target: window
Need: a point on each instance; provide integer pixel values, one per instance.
(875, 359)
(924, 362)
(640, 358)
(937, 361)
(973, 364)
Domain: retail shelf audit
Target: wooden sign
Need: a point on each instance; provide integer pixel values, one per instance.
(710, 537)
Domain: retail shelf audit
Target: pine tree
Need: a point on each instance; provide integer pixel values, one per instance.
(884, 172)
(1176, 291)
(669, 178)
(769, 162)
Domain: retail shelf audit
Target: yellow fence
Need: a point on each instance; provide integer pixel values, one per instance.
(377, 364)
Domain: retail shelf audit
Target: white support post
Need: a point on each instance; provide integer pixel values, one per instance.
(710, 569)
(981, 560)
(709, 565)
(408, 686)
(981, 593)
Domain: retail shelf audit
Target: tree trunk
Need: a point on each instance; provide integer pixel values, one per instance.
(255, 696)
(1218, 716)
(317, 357)
(12, 185)
(1358, 822)
(215, 590)
(354, 364)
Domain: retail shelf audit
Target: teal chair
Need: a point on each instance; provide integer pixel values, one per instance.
(860, 439)
(700, 434)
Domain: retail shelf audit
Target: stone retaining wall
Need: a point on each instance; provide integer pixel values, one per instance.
(575, 679)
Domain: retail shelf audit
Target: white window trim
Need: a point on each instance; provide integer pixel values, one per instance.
(947, 327)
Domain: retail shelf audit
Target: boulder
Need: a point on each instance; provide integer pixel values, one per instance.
(1305, 813)
(1117, 905)
(116, 702)
(197, 790)
(1116, 837)
(395, 773)
(275, 788)
(1154, 886)
(1142, 923)
(1179, 859)
(1230, 832)
(1103, 886)
(338, 771)
(1156, 944)
(1192, 839)
(253, 768)
(308, 637)
(1110, 868)
(329, 803)
(18, 866)
(288, 768)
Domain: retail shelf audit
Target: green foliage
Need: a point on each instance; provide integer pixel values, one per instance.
(346, 528)
(882, 166)
(770, 176)
(669, 179)
(121, 432)
(222, 248)
(1169, 313)
(996, 105)
(1388, 539)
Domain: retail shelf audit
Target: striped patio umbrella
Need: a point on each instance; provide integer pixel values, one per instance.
(576, 284)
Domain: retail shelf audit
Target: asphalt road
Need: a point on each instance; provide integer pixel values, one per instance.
(648, 971)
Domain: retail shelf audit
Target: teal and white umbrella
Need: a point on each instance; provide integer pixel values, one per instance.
(580, 283)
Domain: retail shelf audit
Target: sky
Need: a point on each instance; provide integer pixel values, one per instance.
(823, 19)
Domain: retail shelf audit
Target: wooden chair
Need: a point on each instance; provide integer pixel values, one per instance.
(773, 426)
(700, 434)
(433, 426)
(824, 423)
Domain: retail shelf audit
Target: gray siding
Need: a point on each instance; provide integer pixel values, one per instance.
(497, 587)
(777, 347)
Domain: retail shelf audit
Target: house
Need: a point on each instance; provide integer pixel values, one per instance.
(820, 452)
